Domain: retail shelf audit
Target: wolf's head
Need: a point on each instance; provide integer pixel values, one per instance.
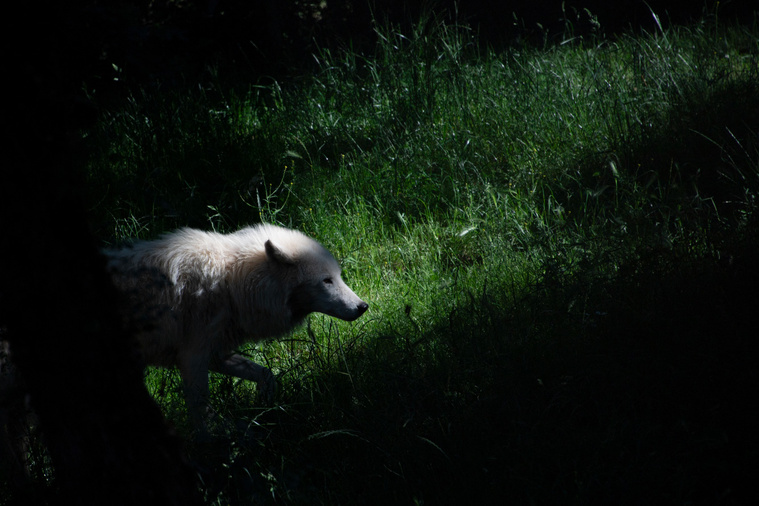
(317, 284)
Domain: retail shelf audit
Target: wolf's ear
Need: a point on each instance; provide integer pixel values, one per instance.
(277, 255)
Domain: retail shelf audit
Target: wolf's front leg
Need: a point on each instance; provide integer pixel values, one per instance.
(241, 367)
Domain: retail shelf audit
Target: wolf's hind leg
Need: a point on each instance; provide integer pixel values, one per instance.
(194, 371)
(241, 367)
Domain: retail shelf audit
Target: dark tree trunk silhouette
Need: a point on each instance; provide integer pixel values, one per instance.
(107, 439)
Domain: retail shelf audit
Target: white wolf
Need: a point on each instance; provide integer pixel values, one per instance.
(203, 294)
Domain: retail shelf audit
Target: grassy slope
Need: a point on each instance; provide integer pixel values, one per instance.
(557, 245)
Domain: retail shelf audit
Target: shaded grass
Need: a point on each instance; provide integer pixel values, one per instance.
(557, 244)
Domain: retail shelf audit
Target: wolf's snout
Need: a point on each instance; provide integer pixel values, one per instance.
(360, 309)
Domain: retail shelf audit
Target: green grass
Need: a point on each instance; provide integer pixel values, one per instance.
(556, 244)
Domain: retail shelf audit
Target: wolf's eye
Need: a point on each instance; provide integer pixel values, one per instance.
(327, 281)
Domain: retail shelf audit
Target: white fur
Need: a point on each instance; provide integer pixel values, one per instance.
(197, 296)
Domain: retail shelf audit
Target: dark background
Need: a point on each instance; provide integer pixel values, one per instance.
(178, 40)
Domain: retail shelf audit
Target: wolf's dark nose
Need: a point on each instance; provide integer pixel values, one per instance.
(362, 308)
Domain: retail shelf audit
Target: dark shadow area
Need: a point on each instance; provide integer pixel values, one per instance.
(651, 405)
(142, 42)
